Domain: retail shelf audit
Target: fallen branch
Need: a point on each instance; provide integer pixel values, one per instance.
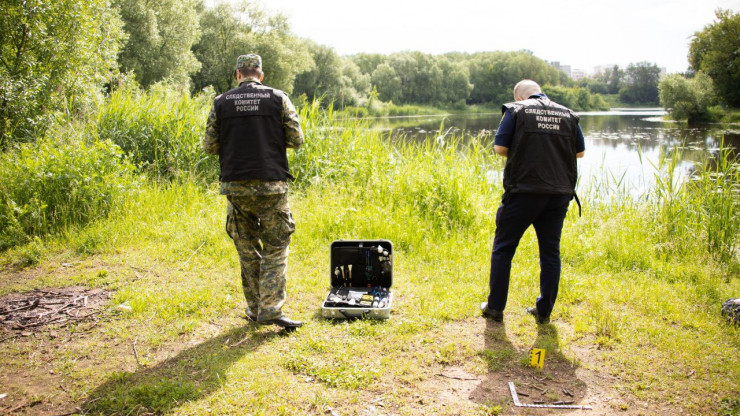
(22, 308)
(40, 323)
(541, 404)
(24, 405)
(455, 378)
(136, 353)
(49, 292)
(141, 269)
(191, 256)
(245, 339)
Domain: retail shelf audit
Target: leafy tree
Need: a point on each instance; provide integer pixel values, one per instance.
(426, 82)
(575, 98)
(562, 95)
(387, 82)
(52, 53)
(456, 86)
(221, 41)
(355, 85)
(716, 52)
(283, 55)
(613, 78)
(583, 99)
(325, 76)
(405, 66)
(594, 85)
(232, 30)
(641, 84)
(160, 35)
(687, 98)
(494, 74)
(598, 102)
(368, 62)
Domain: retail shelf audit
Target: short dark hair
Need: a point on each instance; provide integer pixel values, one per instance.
(250, 72)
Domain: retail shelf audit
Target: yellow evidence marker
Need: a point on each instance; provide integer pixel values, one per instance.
(537, 358)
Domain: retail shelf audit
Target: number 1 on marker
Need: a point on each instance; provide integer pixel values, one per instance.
(537, 358)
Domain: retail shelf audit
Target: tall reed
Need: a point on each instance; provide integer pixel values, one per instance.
(713, 194)
(160, 130)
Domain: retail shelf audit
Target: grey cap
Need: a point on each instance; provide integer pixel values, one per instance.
(249, 61)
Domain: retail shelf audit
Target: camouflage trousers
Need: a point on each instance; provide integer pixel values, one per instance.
(261, 226)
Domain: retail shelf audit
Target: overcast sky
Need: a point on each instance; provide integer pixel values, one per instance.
(580, 33)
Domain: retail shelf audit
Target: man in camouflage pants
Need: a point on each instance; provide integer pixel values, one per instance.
(249, 128)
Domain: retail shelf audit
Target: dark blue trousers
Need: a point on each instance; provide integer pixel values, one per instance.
(516, 213)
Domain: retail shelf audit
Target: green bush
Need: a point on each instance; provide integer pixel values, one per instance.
(575, 98)
(57, 182)
(688, 99)
(56, 55)
(335, 148)
(160, 130)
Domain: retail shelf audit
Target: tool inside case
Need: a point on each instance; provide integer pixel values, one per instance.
(361, 274)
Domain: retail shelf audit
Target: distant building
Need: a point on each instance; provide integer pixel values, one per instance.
(602, 69)
(577, 74)
(564, 68)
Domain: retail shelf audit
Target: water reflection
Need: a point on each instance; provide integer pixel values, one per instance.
(622, 144)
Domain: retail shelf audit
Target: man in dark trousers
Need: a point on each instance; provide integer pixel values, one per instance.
(541, 141)
(249, 128)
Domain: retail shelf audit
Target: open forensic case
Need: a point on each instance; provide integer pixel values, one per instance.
(361, 273)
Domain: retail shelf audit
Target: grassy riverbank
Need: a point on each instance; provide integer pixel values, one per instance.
(393, 110)
(614, 102)
(636, 329)
(724, 115)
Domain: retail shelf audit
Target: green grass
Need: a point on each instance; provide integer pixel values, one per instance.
(724, 115)
(381, 109)
(59, 181)
(642, 285)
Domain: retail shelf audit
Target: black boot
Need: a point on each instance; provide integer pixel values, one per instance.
(540, 319)
(283, 321)
(493, 314)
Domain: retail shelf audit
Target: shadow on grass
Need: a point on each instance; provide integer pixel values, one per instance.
(556, 382)
(192, 374)
(559, 371)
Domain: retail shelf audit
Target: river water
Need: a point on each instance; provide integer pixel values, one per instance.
(623, 146)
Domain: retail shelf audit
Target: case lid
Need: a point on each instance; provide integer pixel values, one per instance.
(361, 263)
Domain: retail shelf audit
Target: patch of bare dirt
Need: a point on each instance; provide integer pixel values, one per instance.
(35, 324)
(32, 310)
(561, 381)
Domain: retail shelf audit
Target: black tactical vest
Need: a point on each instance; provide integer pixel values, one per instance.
(251, 137)
(542, 156)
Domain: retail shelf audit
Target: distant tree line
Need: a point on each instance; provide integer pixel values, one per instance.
(450, 80)
(636, 84)
(64, 55)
